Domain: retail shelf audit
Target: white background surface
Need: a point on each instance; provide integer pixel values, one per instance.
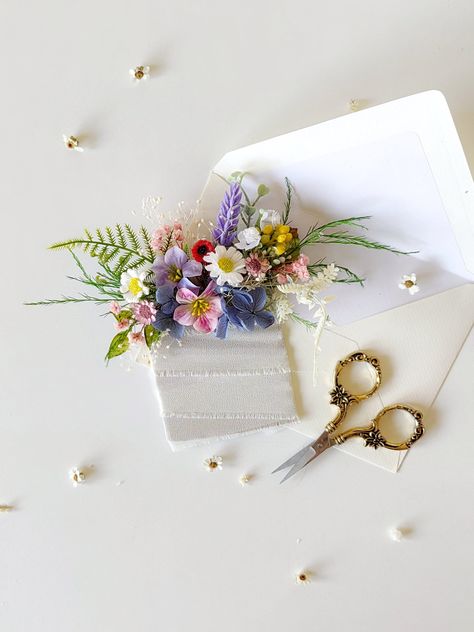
(175, 547)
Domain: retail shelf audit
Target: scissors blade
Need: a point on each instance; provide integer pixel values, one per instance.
(302, 455)
(305, 456)
(294, 459)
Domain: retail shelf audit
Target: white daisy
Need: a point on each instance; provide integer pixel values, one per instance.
(248, 238)
(77, 476)
(213, 463)
(72, 143)
(226, 265)
(408, 282)
(140, 73)
(132, 285)
(303, 577)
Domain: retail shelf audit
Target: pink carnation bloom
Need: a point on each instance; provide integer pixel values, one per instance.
(136, 337)
(256, 267)
(201, 311)
(123, 324)
(144, 312)
(114, 308)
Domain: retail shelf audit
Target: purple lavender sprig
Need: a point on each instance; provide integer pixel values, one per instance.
(228, 216)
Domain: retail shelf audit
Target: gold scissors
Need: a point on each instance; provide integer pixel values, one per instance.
(371, 434)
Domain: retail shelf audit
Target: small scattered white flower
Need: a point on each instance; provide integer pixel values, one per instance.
(140, 73)
(213, 463)
(396, 534)
(248, 238)
(132, 285)
(226, 265)
(408, 282)
(244, 479)
(72, 143)
(303, 577)
(269, 218)
(77, 476)
(354, 105)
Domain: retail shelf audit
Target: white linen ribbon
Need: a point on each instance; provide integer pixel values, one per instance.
(214, 389)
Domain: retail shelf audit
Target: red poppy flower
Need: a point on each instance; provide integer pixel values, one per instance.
(201, 248)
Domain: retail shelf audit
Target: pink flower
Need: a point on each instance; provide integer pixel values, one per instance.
(256, 267)
(201, 311)
(123, 324)
(144, 312)
(166, 236)
(299, 267)
(136, 337)
(178, 234)
(114, 308)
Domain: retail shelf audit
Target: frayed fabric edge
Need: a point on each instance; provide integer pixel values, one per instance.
(179, 446)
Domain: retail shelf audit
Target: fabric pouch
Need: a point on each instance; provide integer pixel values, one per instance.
(214, 389)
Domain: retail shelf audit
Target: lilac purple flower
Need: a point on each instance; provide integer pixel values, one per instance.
(174, 268)
(228, 216)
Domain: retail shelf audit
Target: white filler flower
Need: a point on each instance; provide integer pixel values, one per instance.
(132, 285)
(225, 265)
(248, 238)
(269, 218)
(408, 282)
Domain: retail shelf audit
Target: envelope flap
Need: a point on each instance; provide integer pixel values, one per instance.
(402, 164)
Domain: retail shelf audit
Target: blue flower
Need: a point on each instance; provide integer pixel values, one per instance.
(164, 320)
(243, 309)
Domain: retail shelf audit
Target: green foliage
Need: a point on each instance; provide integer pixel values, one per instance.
(118, 345)
(289, 194)
(117, 249)
(331, 233)
(262, 190)
(152, 335)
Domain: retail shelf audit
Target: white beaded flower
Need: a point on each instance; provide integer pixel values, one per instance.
(244, 479)
(213, 463)
(396, 534)
(408, 282)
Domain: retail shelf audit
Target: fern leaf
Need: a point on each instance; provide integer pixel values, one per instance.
(110, 234)
(132, 237)
(120, 236)
(147, 242)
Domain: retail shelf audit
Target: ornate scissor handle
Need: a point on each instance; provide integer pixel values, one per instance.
(340, 397)
(374, 438)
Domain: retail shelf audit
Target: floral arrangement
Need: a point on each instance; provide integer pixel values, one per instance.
(242, 273)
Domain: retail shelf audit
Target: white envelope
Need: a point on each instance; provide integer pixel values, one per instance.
(401, 163)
